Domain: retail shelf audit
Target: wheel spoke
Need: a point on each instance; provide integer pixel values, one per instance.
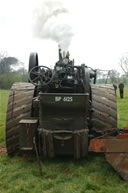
(35, 73)
(35, 78)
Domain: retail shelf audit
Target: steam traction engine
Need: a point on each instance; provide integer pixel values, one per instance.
(63, 107)
(62, 111)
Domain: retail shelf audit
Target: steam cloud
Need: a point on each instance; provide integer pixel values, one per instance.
(52, 21)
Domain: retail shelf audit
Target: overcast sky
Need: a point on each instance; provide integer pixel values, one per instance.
(97, 36)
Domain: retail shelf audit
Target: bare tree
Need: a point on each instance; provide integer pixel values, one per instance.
(124, 64)
(3, 54)
(114, 76)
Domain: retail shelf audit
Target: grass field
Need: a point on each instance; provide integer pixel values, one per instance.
(3, 104)
(94, 175)
(122, 106)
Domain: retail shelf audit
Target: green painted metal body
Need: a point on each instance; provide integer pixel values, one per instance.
(60, 111)
(63, 124)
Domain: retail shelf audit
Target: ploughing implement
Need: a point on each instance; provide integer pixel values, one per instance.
(59, 112)
(114, 145)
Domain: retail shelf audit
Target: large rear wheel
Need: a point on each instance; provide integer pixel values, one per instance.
(105, 108)
(19, 107)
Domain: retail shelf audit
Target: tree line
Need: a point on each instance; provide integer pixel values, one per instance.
(110, 77)
(113, 76)
(11, 70)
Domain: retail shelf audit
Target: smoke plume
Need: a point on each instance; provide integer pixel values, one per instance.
(52, 21)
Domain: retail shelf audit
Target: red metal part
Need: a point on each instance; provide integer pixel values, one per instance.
(115, 149)
(109, 144)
